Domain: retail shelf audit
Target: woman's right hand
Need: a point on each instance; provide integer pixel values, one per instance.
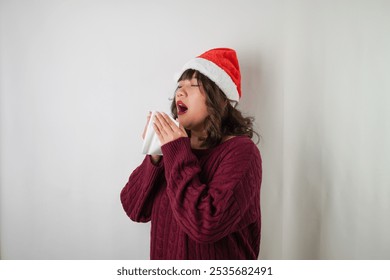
(154, 158)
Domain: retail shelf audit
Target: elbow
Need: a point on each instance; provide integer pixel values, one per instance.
(137, 216)
(133, 212)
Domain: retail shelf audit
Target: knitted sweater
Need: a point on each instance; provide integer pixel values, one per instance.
(203, 204)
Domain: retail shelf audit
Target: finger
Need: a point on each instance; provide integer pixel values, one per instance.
(175, 127)
(164, 123)
(157, 130)
(169, 121)
(160, 134)
(158, 123)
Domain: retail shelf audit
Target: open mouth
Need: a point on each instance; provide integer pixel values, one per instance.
(181, 108)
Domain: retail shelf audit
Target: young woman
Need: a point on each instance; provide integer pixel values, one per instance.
(203, 195)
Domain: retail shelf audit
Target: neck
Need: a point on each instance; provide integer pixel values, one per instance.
(197, 139)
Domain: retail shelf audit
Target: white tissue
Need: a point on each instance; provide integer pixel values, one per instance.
(151, 144)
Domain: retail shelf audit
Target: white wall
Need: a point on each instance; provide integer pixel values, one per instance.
(336, 193)
(78, 77)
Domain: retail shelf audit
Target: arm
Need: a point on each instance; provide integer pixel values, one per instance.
(208, 212)
(138, 194)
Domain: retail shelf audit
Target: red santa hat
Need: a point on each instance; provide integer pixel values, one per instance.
(221, 66)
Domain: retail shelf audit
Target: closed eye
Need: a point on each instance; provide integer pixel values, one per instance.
(179, 87)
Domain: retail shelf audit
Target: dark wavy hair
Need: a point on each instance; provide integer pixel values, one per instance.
(223, 120)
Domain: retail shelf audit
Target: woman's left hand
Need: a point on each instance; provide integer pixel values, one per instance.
(166, 129)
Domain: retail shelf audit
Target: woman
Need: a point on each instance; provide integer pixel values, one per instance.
(203, 195)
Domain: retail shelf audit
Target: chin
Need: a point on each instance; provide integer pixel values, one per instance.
(185, 125)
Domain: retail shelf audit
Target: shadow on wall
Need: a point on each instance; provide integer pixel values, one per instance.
(251, 88)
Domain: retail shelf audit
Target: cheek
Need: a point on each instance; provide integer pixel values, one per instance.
(202, 107)
(199, 102)
(204, 110)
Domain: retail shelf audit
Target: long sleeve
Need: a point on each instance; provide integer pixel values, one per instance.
(138, 194)
(227, 203)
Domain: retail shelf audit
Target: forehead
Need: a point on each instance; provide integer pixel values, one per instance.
(189, 74)
(193, 79)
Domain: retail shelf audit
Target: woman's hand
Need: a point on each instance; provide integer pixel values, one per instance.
(166, 129)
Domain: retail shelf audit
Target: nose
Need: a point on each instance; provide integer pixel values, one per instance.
(180, 93)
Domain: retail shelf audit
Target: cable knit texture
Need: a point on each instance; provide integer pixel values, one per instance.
(203, 204)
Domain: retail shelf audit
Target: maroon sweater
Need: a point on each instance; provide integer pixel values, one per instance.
(203, 204)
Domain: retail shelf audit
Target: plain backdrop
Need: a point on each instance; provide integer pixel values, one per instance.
(78, 77)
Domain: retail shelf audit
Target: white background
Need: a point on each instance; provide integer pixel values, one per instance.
(77, 79)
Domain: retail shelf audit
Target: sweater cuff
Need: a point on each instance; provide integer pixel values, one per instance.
(177, 150)
(157, 164)
(153, 168)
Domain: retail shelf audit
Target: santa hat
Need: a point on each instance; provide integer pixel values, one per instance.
(221, 66)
